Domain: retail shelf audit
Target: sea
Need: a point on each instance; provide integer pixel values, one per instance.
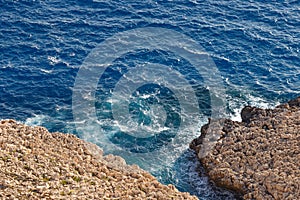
(140, 78)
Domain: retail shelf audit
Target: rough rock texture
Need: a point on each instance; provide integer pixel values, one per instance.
(259, 158)
(36, 164)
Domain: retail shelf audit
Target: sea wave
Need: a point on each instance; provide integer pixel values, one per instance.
(255, 46)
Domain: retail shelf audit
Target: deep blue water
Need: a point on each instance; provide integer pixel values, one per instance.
(43, 45)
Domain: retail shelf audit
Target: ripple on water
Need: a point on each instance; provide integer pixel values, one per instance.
(255, 46)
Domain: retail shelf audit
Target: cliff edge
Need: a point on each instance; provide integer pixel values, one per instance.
(258, 158)
(36, 164)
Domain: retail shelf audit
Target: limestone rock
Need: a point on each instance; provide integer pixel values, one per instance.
(36, 164)
(258, 158)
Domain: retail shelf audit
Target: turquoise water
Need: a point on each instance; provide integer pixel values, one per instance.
(44, 45)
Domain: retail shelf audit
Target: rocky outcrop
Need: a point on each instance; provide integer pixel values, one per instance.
(258, 158)
(36, 164)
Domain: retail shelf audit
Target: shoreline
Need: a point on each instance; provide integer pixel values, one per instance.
(35, 163)
(258, 158)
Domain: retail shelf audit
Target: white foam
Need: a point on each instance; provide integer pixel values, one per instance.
(237, 115)
(53, 60)
(46, 71)
(36, 120)
(261, 102)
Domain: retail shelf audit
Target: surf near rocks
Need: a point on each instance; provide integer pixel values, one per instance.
(36, 164)
(258, 158)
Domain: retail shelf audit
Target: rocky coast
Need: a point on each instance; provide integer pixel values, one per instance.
(36, 164)
(258, 158)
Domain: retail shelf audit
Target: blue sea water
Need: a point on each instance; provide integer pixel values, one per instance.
(43, 44)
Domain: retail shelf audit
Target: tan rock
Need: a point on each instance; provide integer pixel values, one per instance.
(259, 157)
(36, 164)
